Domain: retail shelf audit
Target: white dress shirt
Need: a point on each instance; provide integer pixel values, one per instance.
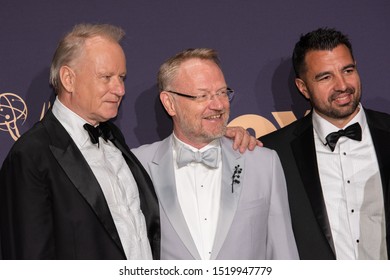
(116, 180)
(199, 190)
(352, 189)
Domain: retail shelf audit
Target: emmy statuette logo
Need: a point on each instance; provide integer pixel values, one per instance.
(13, 112)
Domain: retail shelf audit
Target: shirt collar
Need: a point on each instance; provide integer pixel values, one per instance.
(72, 123)
(177, 143)
(324, 127)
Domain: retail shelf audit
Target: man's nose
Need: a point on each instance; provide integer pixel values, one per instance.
(216, 102)
(340, 83)
(118, 86)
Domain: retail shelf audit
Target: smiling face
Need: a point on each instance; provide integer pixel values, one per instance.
(94, 85)
(332, 84)
(197, 123)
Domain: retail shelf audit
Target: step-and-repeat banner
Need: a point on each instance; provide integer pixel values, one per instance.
(254, 39)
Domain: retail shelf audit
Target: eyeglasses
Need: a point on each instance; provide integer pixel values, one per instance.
(227, 93)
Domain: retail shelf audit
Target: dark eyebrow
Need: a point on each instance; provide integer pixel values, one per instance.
(352, 65)
(320, 75)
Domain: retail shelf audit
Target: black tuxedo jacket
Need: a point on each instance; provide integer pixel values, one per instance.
(51, 205)
(295, 147)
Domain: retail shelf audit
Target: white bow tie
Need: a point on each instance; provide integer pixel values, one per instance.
(208, 157)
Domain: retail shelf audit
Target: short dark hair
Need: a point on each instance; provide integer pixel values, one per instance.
(317, 40)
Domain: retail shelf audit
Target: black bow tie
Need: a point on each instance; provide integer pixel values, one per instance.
(353, 131)
(102, 130)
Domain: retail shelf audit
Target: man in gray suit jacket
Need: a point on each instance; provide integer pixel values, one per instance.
(215, 203)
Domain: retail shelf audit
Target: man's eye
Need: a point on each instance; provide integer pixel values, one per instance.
(201, 97)
(324, 78)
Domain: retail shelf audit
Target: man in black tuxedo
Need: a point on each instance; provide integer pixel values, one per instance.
(65, 195)
(336, 159)
(70, 186)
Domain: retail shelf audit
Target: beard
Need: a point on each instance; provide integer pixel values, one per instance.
(197, 133)
(338, 111)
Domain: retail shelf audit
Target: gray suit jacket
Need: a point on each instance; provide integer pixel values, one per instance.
(254, 221)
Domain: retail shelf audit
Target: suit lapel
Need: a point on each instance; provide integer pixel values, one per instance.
(229, 200)
(380, 133)
(303, 148)
(161, 167)
(67, 154)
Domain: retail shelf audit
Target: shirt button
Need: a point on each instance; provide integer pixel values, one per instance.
(352, 211)
(357, 241)
(348, 181)
(344, 153)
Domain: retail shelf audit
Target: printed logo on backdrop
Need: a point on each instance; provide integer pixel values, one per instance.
(14, 113)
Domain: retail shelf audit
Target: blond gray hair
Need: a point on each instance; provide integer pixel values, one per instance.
(169, 68)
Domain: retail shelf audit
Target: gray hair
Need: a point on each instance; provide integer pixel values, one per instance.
(70, 46)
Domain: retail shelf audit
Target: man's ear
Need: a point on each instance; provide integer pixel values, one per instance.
(168, 103)
(67, 77)
(301, 85)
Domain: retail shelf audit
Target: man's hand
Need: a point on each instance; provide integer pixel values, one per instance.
(242, 139)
